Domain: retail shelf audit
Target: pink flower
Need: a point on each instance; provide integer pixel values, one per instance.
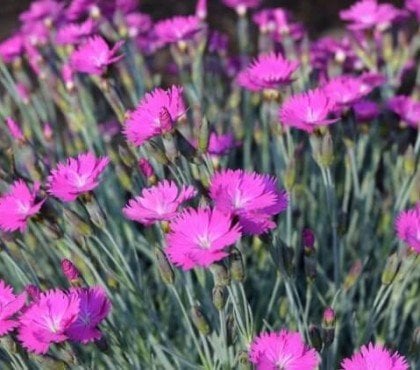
(10, 305)
(46, 321)
(178, 28)
(42, 9)
(150, 117)
(407, 225)
(407, 108)
(306, 111)
(368, 14)
(268, 71)
(346, 90)
(11, 48)
(76, 176)
(282, 350)
(74, 33)
(365, 111)
(14, 129)
(414, 7)
(94, 56)
(17, 206)
(220, 144)
(374, 357)
(94, 307)
(158, 203)
(241, 6)
(81, 8)
(199, 237)
(201, 9)
(251, 197)
(137, 23)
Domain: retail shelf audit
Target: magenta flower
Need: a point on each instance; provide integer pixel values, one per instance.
(268, 71)
(251, 197)
(220, 144)
(199, 237)
(14, 129)
(46, 320)
(150, 117)
(306, 111)
(374, 357)
(82, 8)
(158, 203)
(10, 305)
(18, 205)
(94, 307)
(407, 225)
(201, 9)
(241, 6)
(282, 350)
(76, 176)
(41, 10)
(177, 29)
(137, 23)
(368, 14)
(11, 48)
(94, 56)
(407, 108)
(365, 111)
(414, 7)
(74, 33)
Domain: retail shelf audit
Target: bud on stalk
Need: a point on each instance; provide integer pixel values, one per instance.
(237, 270)
(328, 326)
(199, 320)
(165, 269)
(219, 297)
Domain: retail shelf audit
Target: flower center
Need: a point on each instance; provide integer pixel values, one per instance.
(204, 241)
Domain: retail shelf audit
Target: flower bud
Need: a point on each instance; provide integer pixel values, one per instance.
(95, 212)
(14, 129)
(391, 269)
(328, 326)
(157, 153)
(315, 337)
(322, 149)
(201, 9)
(126, 156)
(353, 275)
(289, 177)
(165, 269)
(203, 136)
(242, 361)
(47, 131)
(221, 274)
(237, 269)
(308, 239)
(219, 297)
(33, 292)
(230, 329)
(79, 226)
(70, 271)
(146, 168)
(409, 161)
(199, 320)
(165, 120)
(102, 344)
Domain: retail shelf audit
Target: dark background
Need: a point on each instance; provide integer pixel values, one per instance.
(317, 15)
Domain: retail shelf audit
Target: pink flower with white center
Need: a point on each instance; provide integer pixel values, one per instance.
(10, 305)
(149, 119)
(178, 29)
(158, 203)
(373, 357)
(365, 111)
(368, 14)
(11, 48)
(282, 350)
(76, 176)
(200, 237)
(74, 33)
(268, 71)
(251, 197)
(241, 6)
(18, 206)
(45, 322)
(414, 7)
(346, 90)
(307, 111)
(407, 108)
(94, 56)
(94, 307)
(407, 225)
(14, 129)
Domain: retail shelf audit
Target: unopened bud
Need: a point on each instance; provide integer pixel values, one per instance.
(409, 161)
(165, 120)
(242, 360)
(308, 240)
(221, 274)
(95, 212)
(79, 226)
(126, 156)
(102, 344)
(203, 136)
(391, 269)
(289, 178)
(146, 168)
(230, 329)
(322, 149)
(185, 147)
(157, 153)
(47, 131)
(315, 337)
(237, 269)
(353, 275)
(33, 292)
(165, 269)
(70, 271)
(199, 320)
(328, 326)
(219, 297)
(14, 129)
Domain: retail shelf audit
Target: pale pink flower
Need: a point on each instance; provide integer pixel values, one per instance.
(74, 33)
(200, 237)
(94, 56)
(282, 350)
(407, 108)
(178, 28)
(241, 6)
(14, 129)
(368, 14)
(268, 71)
(251, 197)
(308, 110)
(45, 322)
(158, 203)
(10, 305)
(18, 205)
(94, 307)
(365, 111)
(76, 176)
(11, 48)
(375, 357)
(149, 119)
(407, 225)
